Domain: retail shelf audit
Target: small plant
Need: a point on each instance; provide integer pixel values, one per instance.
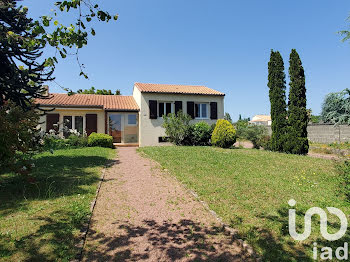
(201, 134)
(224, 134)
(102, 140)
(178, 128)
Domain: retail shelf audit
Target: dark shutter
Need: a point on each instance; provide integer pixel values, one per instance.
(91, 123)
(213, 110)
(190, 109)
(153, 109)
(161, 109)
(52, 119)
(178, 106)
(168, 108)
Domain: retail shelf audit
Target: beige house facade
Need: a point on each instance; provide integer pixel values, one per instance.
(131, 120)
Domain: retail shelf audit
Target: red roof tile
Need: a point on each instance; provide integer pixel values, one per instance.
(177, 89)
(107, 102)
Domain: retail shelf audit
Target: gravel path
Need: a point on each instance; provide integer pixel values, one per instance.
(144, 214)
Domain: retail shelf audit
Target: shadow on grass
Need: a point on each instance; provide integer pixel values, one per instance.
(165, 241)
(279, 246)
(53, 177)
(53, 241)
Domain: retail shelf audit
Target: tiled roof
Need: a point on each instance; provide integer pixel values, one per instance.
(107, 102)
(261, 118)
(177, 89)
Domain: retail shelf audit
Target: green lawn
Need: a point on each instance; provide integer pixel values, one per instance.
(40, 216)
(250, 190)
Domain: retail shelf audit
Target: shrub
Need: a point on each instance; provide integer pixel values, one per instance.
(19, 137)
(201, 134)
(178, 128)
(77, 141)
(102, 140)
(344, 170)
(257, 135)
(224, 134)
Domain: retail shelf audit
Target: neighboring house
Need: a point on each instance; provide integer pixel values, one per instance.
(261, 120)
(131, 120)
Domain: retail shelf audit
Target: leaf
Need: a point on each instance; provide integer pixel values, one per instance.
(62, 54)
(55, 23)
(115, 17)
(93, 31)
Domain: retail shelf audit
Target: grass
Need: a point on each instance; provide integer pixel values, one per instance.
(250, 190)
(41, 215)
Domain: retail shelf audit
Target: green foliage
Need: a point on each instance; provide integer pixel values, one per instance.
(344, 171)
(258, 135)
(19, 137)
(102, 140)
(315, 119)
(224, 134)
(23, 69)
(178, 128)
(297, 141)
(240, 127)
(228, 117)
(77, 141)
(201, 134)
(93, 91)
(277, 90)
(336, 108)
(345, 33)
(55, 142)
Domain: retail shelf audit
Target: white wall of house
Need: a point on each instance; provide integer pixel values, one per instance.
(151, 129)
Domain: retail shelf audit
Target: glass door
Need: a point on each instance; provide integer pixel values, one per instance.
(116, 127)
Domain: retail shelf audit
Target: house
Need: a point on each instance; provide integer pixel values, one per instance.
(264, 120)
(131, 120)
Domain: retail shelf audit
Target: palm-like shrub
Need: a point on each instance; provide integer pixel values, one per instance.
(224, 134)
(178, 128)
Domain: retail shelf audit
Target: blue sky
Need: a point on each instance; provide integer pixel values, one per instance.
(224, 45)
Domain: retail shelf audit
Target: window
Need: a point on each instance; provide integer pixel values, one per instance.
(131, 120)
(201, 110)
(165, 108)
(78, 124)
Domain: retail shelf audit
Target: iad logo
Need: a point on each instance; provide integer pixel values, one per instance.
(323, 222)
(327, 252)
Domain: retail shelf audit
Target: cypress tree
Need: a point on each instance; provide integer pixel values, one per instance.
(297, 141)
(277, 94)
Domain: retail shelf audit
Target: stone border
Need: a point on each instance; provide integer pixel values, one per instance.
(85, 228)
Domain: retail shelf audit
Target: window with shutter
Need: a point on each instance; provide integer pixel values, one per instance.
(52, 122)
(178, 106)
(153, 109)
(190, 109)
(91, 123)
(213, 110)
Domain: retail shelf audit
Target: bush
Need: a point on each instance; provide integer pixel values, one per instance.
(77, 141)
(257, 135)
(178, 128)
(224, 134)
(344, 170)
(102, 140)
(201, 134)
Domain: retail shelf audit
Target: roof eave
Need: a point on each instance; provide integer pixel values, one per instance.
(180, 93)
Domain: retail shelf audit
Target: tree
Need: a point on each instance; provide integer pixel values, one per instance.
(92, 90)
(345, 33)
(336, 108)
(23, 41)
(297, 141)
(277, 95)
(228, 117)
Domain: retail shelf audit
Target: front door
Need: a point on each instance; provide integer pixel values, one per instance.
(116, 127)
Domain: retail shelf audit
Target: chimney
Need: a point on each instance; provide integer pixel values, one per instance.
(45, 90)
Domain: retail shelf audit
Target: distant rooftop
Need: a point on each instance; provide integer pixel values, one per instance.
(261, 118)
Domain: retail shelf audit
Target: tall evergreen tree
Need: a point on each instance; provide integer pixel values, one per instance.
(277, 94)
(297, 142)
